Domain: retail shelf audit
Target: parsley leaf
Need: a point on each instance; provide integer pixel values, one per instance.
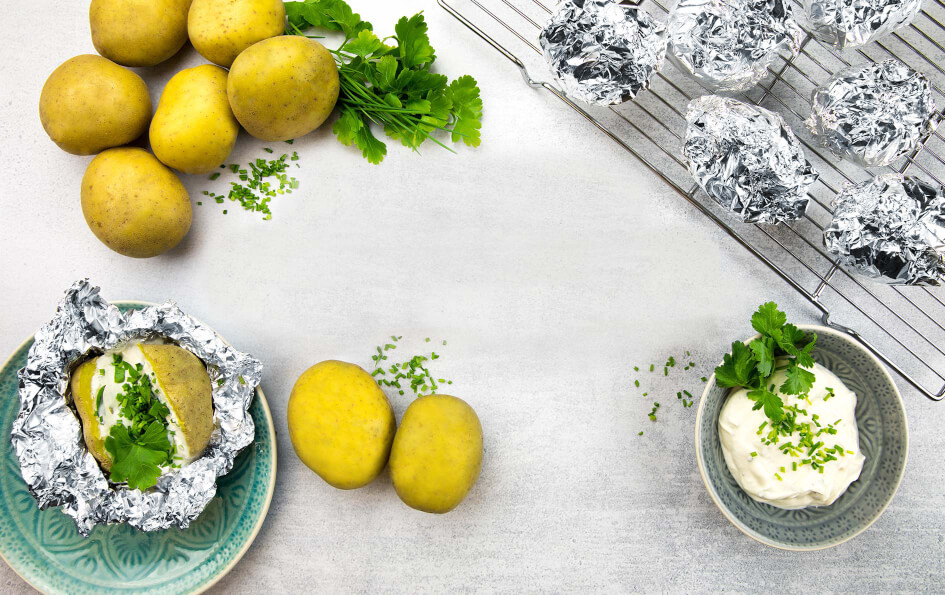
(768, 320)
(137, 461)
(763, 350)
(413, 44)
(736, 369)
(798, 381)
(772, 403)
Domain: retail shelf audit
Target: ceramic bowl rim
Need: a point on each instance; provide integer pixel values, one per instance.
(710, 384)
(270, 489)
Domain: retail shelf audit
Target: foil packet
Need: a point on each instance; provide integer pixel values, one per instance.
(728, 45)
(873, 113)
(47, 434)
(853, 23)
(890, 229)
(602, 52)
(747, 159)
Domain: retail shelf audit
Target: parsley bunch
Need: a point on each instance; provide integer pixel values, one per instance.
(390, 85)
(752, 366)
(139, 449)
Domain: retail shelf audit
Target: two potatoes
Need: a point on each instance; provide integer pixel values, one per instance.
(278, 87)
(342, 427)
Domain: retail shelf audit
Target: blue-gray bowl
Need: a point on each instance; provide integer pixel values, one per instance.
(884, 441)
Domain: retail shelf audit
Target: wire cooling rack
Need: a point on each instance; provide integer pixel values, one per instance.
(903, 326)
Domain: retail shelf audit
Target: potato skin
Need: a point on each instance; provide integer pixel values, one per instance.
(89, 104)
(193, 129)
(138, 32)
(437, 453)
(341, 424)
(283, 87)
(81, 386)
(220, 29)
(134, 204)
(186, 385)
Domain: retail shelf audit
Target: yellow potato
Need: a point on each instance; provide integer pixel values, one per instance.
(138, 32)
(89, 104)
(341, 424)
(283, 87)
(181, 378)
(193, 129)
(437, 453)
(221, 29)
(80, 384)
(186, 385)
(134, 204)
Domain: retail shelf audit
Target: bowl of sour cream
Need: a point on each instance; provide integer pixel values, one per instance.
(831, 477)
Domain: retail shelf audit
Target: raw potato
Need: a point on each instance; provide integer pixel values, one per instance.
(89, 104)
(138, 32)
(186, 384)
(221, 29)
(341, 424)
(437, 453)
(134, 204)
(193, 129)
(283, 88)
(80, 384)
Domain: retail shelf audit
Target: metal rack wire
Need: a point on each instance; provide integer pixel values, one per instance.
(903, 326)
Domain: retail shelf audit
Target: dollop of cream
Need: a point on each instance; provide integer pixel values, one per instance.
(109, 412)
(806, 486)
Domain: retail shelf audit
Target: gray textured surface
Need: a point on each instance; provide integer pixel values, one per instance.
(552, 263)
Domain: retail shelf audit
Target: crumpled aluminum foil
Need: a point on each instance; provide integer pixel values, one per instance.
(47, 434)
(746, 158)
(873, 113)
(890, 229)
(602, 52)
(852, 23)
(727, 45)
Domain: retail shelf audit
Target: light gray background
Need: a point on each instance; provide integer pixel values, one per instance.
(549, 259)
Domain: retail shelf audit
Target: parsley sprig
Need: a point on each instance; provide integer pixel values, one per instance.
(390, 85)
(752, 366)
(140, 448)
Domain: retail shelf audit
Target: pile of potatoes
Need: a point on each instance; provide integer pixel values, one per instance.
(342, 427)
(278, 87)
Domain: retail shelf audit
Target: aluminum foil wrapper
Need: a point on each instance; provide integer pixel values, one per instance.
(602, 52)
(873, 113)
(852, 23)
(47, 434)
(746, 158)
(727, 45)
(890, 229)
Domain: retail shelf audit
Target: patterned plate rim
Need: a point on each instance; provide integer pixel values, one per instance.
(270, 489)
(761, 538)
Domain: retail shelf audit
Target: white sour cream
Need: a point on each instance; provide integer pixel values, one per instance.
(738, 433)
(109, 411)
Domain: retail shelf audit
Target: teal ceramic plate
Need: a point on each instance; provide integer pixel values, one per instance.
(44, 548)
(884, 440)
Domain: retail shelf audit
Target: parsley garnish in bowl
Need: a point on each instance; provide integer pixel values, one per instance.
(752, 366)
